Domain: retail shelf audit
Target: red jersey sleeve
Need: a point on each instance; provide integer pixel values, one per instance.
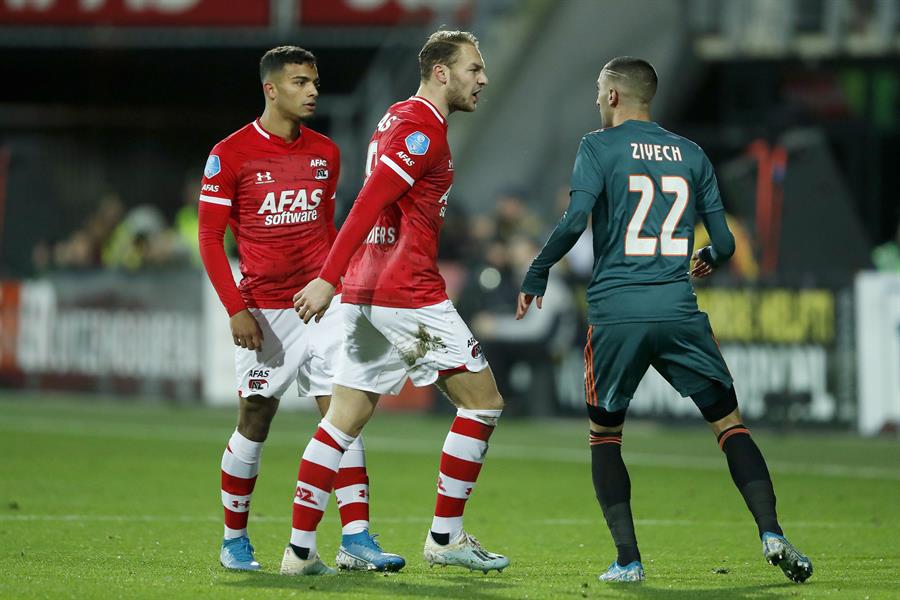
(216, 197)
(409, 150)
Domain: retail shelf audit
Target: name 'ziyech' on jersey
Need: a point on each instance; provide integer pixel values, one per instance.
(281, 200)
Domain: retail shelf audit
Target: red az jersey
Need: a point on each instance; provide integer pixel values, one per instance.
(397, 262)
(278, 198)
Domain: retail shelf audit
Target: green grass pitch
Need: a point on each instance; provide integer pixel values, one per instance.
(121, 500)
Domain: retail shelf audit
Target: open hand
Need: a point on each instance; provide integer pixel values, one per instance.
(701, 268)
(524, 302)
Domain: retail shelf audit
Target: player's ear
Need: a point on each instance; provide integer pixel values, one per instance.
(439, 72)
(269, 90)
(612, 98)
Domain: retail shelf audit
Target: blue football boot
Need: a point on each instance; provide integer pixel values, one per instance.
(633, 571)
(360, 552)
(237, 554)
(781, 553)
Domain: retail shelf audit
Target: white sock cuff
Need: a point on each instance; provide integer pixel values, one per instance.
(486, 417)
(343, 440)
(245, 450)
(357, 445)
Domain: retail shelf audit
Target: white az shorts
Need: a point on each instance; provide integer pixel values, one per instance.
(383, 346)
(291, 351)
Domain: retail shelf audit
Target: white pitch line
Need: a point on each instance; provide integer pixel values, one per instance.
(424, 520)
(713, 462)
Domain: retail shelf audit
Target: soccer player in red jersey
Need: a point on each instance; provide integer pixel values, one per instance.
(398, 320)
(273, 181)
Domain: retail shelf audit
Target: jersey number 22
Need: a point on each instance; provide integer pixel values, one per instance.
(638, 245)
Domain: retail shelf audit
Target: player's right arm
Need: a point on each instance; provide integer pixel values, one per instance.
(586, 187)
(712, 212)
(216, 197)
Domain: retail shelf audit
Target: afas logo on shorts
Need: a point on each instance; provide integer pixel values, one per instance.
(258, 384)
(476, 347)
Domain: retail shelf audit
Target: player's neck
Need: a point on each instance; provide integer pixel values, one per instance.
(286, 129)
(435, 98)
(630, 115)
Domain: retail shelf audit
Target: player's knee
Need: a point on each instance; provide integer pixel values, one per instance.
(716, 402)
(605, 420)
(256, 415)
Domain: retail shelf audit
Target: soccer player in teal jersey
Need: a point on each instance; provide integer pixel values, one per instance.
(643, 189)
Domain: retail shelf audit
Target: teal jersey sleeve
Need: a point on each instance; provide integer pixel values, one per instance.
(708, 198)
(564, 236)
(587, 175)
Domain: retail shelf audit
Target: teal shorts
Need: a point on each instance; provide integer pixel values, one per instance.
(617, 356)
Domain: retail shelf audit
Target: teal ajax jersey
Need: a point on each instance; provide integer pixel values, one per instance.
(650, 187)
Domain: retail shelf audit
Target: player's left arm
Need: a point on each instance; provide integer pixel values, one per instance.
(586, 187)
(712, 212)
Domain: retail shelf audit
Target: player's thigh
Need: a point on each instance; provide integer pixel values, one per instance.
(268, 372)
(616, 357)
(688, 356)
(367, 360)
(315, 375)
(431, 342)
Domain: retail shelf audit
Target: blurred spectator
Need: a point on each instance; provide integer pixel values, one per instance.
(513, 217)
(141, 240)
(886, 257)
(84, 247)
(187, 221)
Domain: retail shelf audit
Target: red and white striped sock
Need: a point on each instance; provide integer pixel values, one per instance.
(315, 480)
(461, 460)
(351, 489)
(240, 466)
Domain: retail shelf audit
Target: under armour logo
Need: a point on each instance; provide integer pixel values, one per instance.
(264, 177)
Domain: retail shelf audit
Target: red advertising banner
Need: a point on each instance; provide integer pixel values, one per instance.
(136, 13)
(375, 12)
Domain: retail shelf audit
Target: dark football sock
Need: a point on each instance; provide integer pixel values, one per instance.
(441, 538)
(613, 488)
(302, 553)
(751, 476)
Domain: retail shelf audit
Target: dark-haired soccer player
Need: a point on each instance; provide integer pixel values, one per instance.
(399, 322)
(644, 187)
(273, 181)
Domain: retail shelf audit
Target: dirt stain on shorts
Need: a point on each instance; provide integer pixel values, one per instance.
(423, 342)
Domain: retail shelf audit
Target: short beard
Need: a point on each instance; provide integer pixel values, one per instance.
(456, 99)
